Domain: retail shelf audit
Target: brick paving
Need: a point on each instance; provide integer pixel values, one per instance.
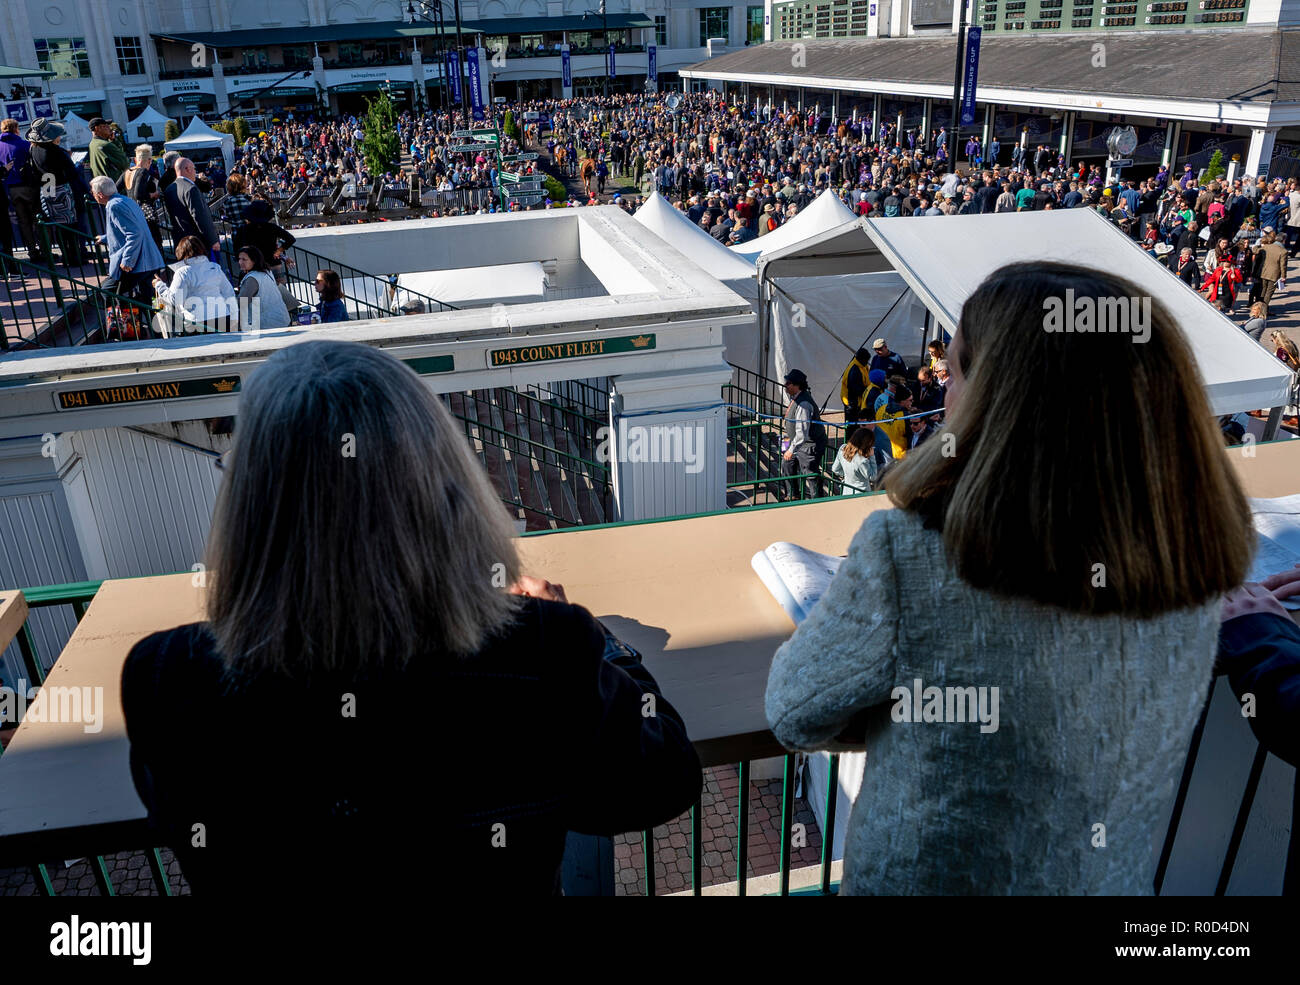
(129, 872)
(672, 849)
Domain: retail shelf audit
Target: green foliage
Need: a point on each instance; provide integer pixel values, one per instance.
(554, 189)
(380, 147)
(241, 131)
(172, 130)
(1215, 169)
(509, 127)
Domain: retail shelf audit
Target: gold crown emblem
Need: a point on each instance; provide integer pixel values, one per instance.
(224, 386)
(641, 341)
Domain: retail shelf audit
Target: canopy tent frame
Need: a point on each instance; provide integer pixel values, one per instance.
(879, 245)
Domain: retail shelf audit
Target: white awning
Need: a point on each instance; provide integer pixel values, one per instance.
(944, 259)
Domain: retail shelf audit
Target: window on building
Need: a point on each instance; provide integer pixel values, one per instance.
(754, 32)
(715, 22)
(297, 55)
(65, 57)
(130, 56)
(255, 58)
(661, 31)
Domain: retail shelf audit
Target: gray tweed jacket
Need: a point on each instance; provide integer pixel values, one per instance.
(1094, 719)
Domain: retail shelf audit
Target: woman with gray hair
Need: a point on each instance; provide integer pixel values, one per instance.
(359, 624)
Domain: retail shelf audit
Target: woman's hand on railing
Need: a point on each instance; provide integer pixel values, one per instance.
(537, 588)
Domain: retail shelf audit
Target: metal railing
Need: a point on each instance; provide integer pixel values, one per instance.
(64, 309)
(78, 596)
(79, 843)
(301, 266)
(542, 454)
(755, 427)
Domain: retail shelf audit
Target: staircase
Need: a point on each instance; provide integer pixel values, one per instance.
(540, 453)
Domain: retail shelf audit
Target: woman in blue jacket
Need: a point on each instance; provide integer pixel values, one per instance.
(330, 288)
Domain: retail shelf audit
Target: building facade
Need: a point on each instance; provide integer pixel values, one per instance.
(114, 57)
(1057, 73)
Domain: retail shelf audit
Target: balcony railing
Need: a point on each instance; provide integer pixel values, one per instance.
(94, 842)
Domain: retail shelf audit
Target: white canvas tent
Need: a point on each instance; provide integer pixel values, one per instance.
(78, 134)
(944, 261)
(675, 229)
(825, 212)
(198, 136)
(154, 124)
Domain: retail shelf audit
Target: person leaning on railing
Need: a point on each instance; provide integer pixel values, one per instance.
(1043, 546)
(365, 681)
(63, 193)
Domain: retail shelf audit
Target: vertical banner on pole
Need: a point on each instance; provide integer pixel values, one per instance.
(453, 75)
(566, 73)
(476, 84)
(971, 68)
(652, 64)
(611, 60)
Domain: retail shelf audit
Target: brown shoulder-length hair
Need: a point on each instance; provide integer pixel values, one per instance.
(354, 530)
(1082, 470)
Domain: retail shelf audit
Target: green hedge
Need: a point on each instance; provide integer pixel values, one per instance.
(554, 189)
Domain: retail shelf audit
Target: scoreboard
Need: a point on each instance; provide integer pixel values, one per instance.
(1002, 17)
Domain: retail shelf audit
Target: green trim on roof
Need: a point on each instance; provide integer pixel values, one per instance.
(390, 30)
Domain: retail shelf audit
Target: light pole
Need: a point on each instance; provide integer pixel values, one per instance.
(438, 21)
(604, 38)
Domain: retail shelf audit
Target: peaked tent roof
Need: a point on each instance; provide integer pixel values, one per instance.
(79, 134)
(151, 118)
(825, 212)
(675, 229)
(944, 271)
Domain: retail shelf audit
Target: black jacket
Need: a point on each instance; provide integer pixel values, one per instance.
(52, 159)
(1261, 655)
(266, 236)
(536, 735)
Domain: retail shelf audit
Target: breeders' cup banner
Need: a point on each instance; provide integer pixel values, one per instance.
(453, 75)
(652, 63)
(611, 61)
(476, 84)
(566, 69)
(972, 75)
(18, 111)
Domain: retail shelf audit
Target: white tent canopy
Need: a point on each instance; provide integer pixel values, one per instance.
(153, 122)
(199, 136)
(78, 134)
(825, 212)
(701, 249)
(944, 261)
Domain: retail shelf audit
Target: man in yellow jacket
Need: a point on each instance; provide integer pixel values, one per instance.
(889, 418)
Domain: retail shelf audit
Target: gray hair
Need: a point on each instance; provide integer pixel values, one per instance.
(370, 539)
(169, 159)
(941, 365)
(103, 185)
(144, 152)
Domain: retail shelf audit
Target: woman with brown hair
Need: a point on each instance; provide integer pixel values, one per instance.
(1057, 556)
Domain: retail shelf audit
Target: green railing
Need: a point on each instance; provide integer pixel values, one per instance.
(78, 595)
(301, 265)
(541, 454)
(750, 747)
(755, 427)
(61, 309)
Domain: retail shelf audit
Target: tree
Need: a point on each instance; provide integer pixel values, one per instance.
(1215, 169)
(508, 125)
(380, 146)
(554, 189)
(241, 131)
(171, 131)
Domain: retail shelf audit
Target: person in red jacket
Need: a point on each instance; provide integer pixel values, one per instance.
(1221, 284)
